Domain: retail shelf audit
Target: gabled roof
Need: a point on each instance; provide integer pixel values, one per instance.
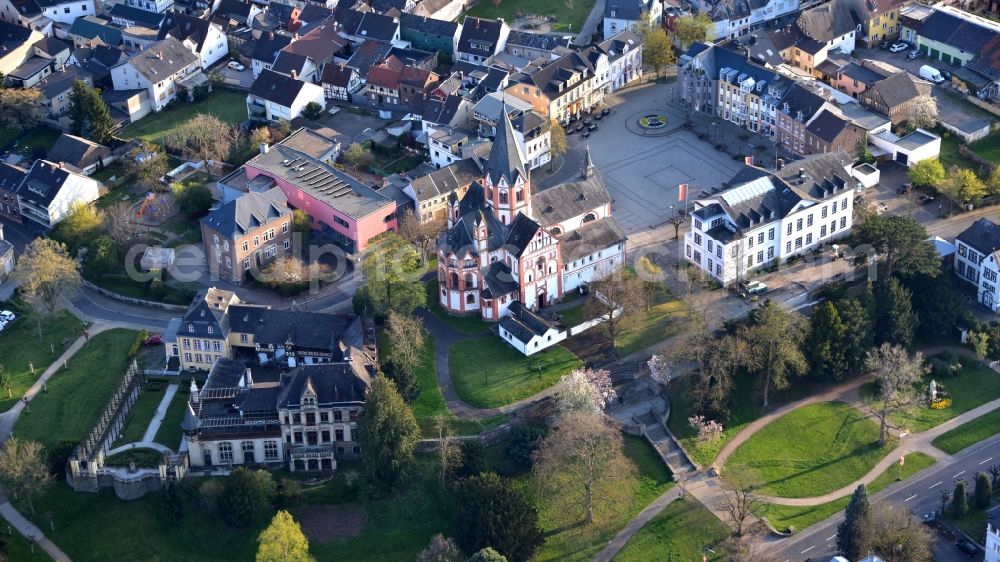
(185, 28)
(899, 89)
(338, 75)
(207, 314)
(506, 159)
(51, 46)
(524, 324)
(247, 212)
(43, 182)
(536, 40)
(591, 237)
(862, 74)
(367, 54)
(321, 44)
(11, 176)
(572, 199)
(12, 36)
(77, 151)
(443, 112)
(626, 9)
(459, 175)
(314, 331)
(480, 31)
(834, 19)
(827, 126)
(267, 47)
(333, 383)
(162, 59)
(234, 8)
(956, 32)
(139, 17)
(983, 236)
(428, 26)
(276, 87)
(90, 27)
(798, 99)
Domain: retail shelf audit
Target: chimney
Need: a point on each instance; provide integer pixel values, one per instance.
(159, 54)
(802, 172)
(264, 148)
(295, 75)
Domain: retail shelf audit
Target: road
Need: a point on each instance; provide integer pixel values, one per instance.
(919, 494)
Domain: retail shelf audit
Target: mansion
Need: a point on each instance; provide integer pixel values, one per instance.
(505, 244)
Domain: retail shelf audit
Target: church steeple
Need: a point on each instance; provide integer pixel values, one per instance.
(506, 159)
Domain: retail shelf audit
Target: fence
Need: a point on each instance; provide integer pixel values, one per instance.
(112, 419)
(131, 300)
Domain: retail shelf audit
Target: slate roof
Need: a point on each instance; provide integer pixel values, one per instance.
(626, 9)
(459, 175)
(207, 311)
(266, 48)
(234, 8)
(764, 50)
(591, 237)
(428, 26)
(572, 199)
(832, 20)
(51, 46)
(536, 40)
(248, 211)
(315, 331)
(276, 87)
(43, 182)
(321, 44)
(444, 111)
(899, 89)
(76, 151)
(506, 159)
(367, 54)
(333, 383)
(498, 281)
(862, 74)
(184, 27)
(137, 16)
(983, 236)
(955, 31)
(524, 324)
(827, 126)
(162, 59)
(338, 75)
(799, 98)
(90, 27)
(225, 373)
(11, 176)
(371, 26)
(12, 36)
(481, 32)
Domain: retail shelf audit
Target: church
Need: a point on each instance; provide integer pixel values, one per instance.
(505, 244)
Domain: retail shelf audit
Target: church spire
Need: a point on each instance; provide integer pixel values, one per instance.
(588, 165)
(506, 159)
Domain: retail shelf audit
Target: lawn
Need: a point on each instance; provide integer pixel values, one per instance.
(20, 346)
(228, 105)
(660, 322)
(16, 548)
(949, 155)
(36, 140)
(974, 386)
(784, 516)
(833, 445)
(488, 373)
(142, 457)
(988, 148)
(170, 432)
(680, 532)
(141, 413)
(567, 16)
(466, 324)
(76, 396)
(969, 433)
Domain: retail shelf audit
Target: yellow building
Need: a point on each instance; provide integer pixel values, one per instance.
(883, 21)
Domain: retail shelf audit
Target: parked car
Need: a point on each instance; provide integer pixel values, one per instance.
(586, 134)
(606, 111)
(236, 65)
(914, 54)
(946, 74)
(966, 546)
(898, 47)
(153, 340)
(756, 287)
(904, 189)
(7, 315)
(885, 44)
(592, 127)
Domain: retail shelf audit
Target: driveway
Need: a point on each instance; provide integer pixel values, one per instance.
(240, 79)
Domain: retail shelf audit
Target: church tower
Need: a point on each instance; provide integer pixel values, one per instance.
(508, 187)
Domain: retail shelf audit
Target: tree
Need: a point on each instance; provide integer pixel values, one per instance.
(994, 471)
(894, 535)
(694, 28)
(21, 109)
(980, 342)
(849, 530)
(717, 360)
(740, 503)
(895, 321)
(774, 336)
(301, 222)
(247, 496)
(657, 50)
(585, 390)
(963, 184)
(960, 498)
(659, 369)
(357, 155)
(488, 555)
(944, 496)
(864, 153)
(104, 255)
(421, 234)
(936, 303)
(205, 137)
(902, 243)
(193, 199)
(23, 469)
(440, 549)
(651, 275)
(896, 373)
(312, 111)
(148, 164)
(614, 297)
(406, 340)
(259, 136)
(89, 116)
(390, 271)
(677, 220)
(45, 273)
(923, 113)
(709, 431)
(80, 225)
(824, 343)
(283, 541)
(927, 172)
(118, 223)
(576, 462)
(557, 142)
(993, 182)
(984, 490)
(290, 274)
(388, 434)
(489, 511)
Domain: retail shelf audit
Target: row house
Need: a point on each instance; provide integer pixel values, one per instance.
(748, 96)
(977, 261)
(624, 52)
(627, 15)
(793, 114)
(393, 83)
(764, 218)
(429, 34)
(734, 19)
(340, 82)
(11, 178)
(563, 88)
(480, 39)
(247, 234)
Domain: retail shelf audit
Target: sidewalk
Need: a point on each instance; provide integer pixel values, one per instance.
(28, 529)
(161, 410)
(637, 522)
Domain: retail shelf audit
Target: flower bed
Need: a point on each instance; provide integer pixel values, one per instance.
(941, 404)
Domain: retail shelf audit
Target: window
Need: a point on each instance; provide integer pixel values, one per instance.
(798, 242)
(809, 238)
(198, 358)
(789, 230)
(697, 239)
(270, 450)
(246, 246)
(750, 242)
(244, 338)
(834, 209)
(284, 227)
(718, 251)
(187, 343)
(822, 231)
(225, 452)
(770, 252)
(760, 238)
(770, 234)
(338, 434)
(216, 346)
(187, 356)
(288, 244)
(798, 225)
(697, 256)
(697, 224)
(822, 212)
(338, 415)
(760, 256)
(809, 220)
(711, 246)
(246, 263)
(209, 329)
(749, 261)
(788, 247)
(843, 222)
(687, 251)
(197, 345)
(256, 241)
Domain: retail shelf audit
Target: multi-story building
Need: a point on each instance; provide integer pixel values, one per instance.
(166, 69)
(158, 6)
(247, 234)
(949, 34)
(992, 543)
(49, 191)
(563, 88)
(794, 113)
(765, 217)
(532, 130)
(734, 19)
(977, 261)
(430, 34)
(430, 192)
(480, 39)
(275, 96)
(626, 15)
(11, 177)
(624, 52)
(204, 38)
(893, 96)
(339, 82)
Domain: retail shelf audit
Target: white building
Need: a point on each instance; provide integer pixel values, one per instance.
(531, 129)
(992, 543)
(909, 149)
(204, 38)
(625, 15)
(158, 6)
(977, 261)
(624, 52)
(163, 70)
(275, 96)
(528, 332)
(49, 191)
(66, 11)
(767, 216)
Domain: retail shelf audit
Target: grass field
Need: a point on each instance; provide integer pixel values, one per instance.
(488, 373)
(988, 148)
(810, 451)
(141, 414)
(784, 516)
(20, 346)
(569, 16)
(464, 324)
(742, 412)
(142, 457)
(76, 396)
(228, 105)
(974, 386)
(680, 532)
(949, 155)
(658, 323)
(969, 433)
(170, 432)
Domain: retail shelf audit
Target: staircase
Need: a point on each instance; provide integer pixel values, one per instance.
(666, 446)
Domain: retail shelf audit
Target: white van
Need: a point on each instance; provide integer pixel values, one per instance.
(930, 73)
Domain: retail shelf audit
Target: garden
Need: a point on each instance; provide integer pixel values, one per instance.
(141, 413)
(25, 361)
(684, 530)
(169, 434)
(465, 324)
(565, 16)
(229, 106)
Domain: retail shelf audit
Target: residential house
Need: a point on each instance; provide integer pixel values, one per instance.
(11, 177)
(50, 190)
(734, 19)
(763, 217)
(201, 337)
(306, 56)
(47, 56)
(265, 51)
(529, 332)
(246, 235)
(81, 155)
(367, 55)
(441, 10)
(91, 31)
(98, 61)
(626, 15)
(26, 14)
(624, 52)
(823, 32)
(7, 258)
(563, 88)
(447, 145)
(880, 21)
(977, 261)
(361, 26)
(204, 38)
(829, 131)
(531, 130)
(893, 96)
(274, 96)
(430, 192)
(857, 77)
(531, 46)
(794, 111)
(340, 82)
(158, 6)
(480, 39)
(393, 83)
(949, 34)
(63, 11)
(124, 15)
(17, 45)
(165, 69)
(748, 95)
(429, 34)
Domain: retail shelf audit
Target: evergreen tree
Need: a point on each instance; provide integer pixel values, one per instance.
(859, 337)
(388, 433)
(984, 490)
(895, 321)
(849, 531)
(489, 511)
(283, 541)
(247, 496)
(824, 343)
(960, 499)
(88, 114)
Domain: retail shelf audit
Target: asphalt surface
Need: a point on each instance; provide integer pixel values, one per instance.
(918, 494)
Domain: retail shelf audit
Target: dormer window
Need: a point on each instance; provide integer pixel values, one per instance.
(191, 328)
(210, 329)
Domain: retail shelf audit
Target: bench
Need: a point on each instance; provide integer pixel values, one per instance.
(66, 341)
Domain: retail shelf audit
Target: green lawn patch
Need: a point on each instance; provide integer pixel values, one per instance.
(811, 451)
(969, 433)
(988, 148)
(680, 532)
(143, 458)
(565, 19)
(744, 410)
(974, 386)
(77, 395)
(36, 140)
(20, 346)
(488, 373)
(16, 547)
(949, 155)
(784, 516)
(169, 434)
(466, 324)
(141, 414)
(228, 105)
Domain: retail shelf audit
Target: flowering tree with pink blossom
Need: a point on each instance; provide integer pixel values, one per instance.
(585, 389)
(709, 431)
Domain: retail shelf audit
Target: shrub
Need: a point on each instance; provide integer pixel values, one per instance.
(944, 365)
(137, 343)
(523, 442)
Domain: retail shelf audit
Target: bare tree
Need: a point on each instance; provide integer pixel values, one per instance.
(118, 222)
(994, 471)
(206, 137)
(894, 535)
(677, 220)
(749, 547)
(740, 503)
(944, 496)
(581, 464)
(614, 298)
(896, 373)
(148, 164)
(46, 273)
(443, 430)
(23, 468)
(421, 234)
(406, 339)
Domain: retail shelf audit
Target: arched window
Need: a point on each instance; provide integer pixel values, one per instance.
(454, 280)
(503, 195)
(470, 298)
(520, 195)
(540, 264)
(589, 217)
(470, 281)
(225, 452)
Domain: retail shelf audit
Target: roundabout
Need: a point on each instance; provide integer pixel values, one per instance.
(653, 121)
